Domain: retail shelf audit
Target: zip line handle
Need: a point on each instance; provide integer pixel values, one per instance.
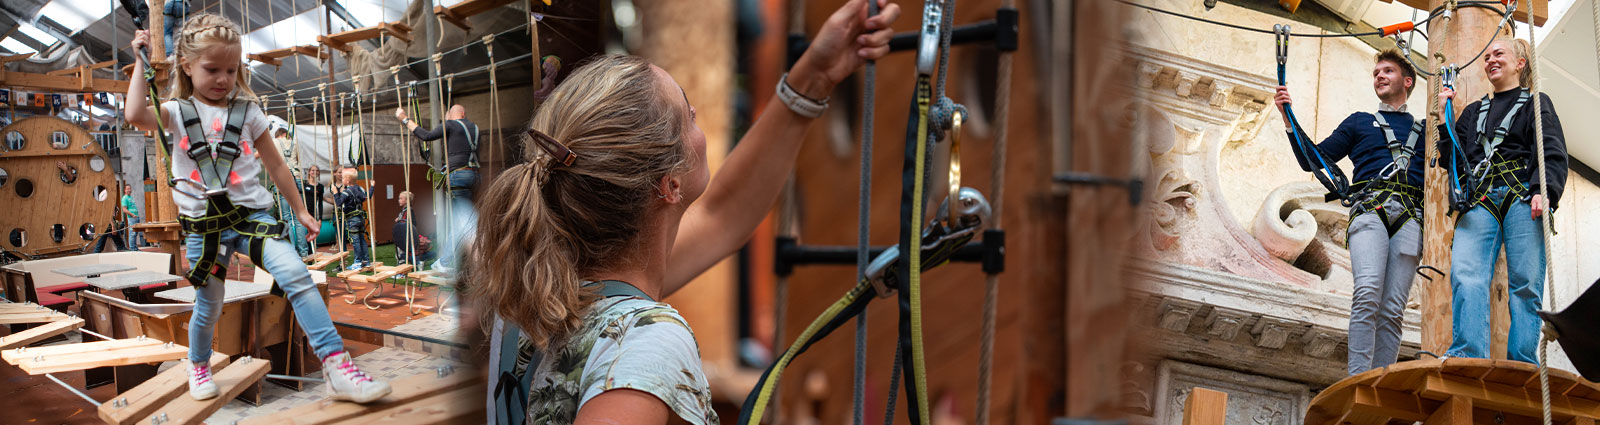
(1399, 28)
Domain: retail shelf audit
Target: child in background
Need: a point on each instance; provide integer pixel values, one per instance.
(349, 200)
(222, 204)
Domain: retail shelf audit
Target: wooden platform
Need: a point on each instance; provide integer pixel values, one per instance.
(39, 333)
(321, 260)
(1455, 391)
(88, 355)
(418, 399)
(347, 273)
(458, 13)
(383, 273)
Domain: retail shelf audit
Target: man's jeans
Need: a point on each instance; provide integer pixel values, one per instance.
(289, 273)
(462, 220)
(1383, 267)
(135, 238)
(1473, 253)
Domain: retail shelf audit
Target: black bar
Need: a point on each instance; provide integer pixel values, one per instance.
(402, 335)
(791, 254)
(980, 31)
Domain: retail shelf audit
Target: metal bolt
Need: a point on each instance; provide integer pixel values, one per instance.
(141, 338)
(38, 358)
(21, 350)
(168, 344)
(246, 359)
(445, 370)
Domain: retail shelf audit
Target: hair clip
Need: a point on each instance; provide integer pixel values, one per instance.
(554, 148)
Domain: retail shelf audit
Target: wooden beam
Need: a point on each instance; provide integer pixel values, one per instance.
(139, 402)
(461, 405)
(314, 52)
(1541, 9)
(397, 30)
(1455, 410)
(407, 391)
(39, 333)
(31, 317)
(61, 83)
(451, 16)
(1389, 403)
(1205, 407)
(231, 381)
(1511, 399)
(15, 356)
(264, 59)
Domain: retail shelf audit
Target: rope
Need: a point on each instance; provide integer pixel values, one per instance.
(997, 178)
(484, 68)
(863, 231)
(352, 78)
(1545, 222)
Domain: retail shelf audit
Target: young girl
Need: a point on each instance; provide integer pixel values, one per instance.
(223, 203)
(616, 194)
(1507, 207)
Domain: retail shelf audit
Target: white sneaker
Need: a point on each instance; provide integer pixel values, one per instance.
(348, 382)
(200, 385)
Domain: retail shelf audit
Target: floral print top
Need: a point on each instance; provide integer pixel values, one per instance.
(625, 342)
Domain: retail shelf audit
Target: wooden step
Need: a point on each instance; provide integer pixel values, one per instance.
(13, 356)
(8, 307)
(39, 333)
(320, 260)
(347, 273)
(383, 273)
(408, 391)
(461, 405)
(141, 401)
(231, 380)
(31, 316)
(35, 363)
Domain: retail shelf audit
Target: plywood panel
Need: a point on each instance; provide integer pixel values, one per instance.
(152, 394)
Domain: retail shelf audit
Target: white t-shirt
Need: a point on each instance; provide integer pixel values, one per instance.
(245, 187)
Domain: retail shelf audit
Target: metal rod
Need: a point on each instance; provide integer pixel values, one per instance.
(73, 390)
(403, 335)
(86, 331)
(294, 378)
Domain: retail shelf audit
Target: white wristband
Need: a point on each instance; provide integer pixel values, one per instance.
(797, 102)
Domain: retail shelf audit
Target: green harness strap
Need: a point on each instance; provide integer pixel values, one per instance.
(1495, 169)
(214, 163)
(1372, 195)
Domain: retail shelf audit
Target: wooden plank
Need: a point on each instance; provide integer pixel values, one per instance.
(383, 273)
(451, 16)
(1389, 403)
(231, 381)
(1579, 421)
(1455, 410)
(61, 83)
(32, 317)
(308, 50)
(153, 394)
(406, 390)
(39, 333)
(1515, 400)
(397, 30)
(1205, 407)
(1541, 9)
(36, 365)
(462, 405)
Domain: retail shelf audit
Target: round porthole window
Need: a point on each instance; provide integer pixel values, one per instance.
(86, 231)
(18, 237)
(100, 193)
(58, 233)
(24, 188)
(14, 141)
(60, 140)
(97, 163)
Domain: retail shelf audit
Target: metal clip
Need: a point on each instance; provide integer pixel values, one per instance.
(1281, 33)
(140, 338)
(246, 360)
(445, 370)
(931, 37)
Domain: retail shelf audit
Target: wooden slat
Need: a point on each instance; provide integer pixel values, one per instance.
(1389, 403)
(321, 260)
(383, 273)
(231, 381)
(462, 405)
(1205, 407)
(1455, 410)
(406, 390)
(347, 273)
(61, 83)
(397, 30)
(32, 317)
(308, 50)
(140, 401)
(39, 333)
(1516, 400)
(118, 357)
(13, 356)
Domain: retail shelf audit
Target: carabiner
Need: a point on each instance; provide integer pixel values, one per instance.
(930, 37)
(1281, 33)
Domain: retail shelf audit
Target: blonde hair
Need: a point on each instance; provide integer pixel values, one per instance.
(406, 195)
(545, 227)
(1521, 49)
(200, 33)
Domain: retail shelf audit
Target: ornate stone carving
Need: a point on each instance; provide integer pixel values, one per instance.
(1272, 332)
(1176, 314)
(1225, 323)
(1321, 343)
(1252, 399)
(1296, 215)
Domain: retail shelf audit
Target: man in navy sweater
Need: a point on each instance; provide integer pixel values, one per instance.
(1385, 234)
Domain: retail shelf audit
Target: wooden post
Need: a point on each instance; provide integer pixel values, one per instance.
(1205, 407)
(164, 209)
(1467, 32)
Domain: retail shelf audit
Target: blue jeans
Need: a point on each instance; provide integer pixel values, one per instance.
(287, 271)
(463, 220)
(1476, 247)
(135, 238)
(355, 234)
(1383, 267)
(175, 11)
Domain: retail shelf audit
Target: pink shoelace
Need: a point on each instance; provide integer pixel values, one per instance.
(203, 374)
(354, 373)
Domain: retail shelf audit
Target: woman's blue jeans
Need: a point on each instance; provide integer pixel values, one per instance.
(1479, 236)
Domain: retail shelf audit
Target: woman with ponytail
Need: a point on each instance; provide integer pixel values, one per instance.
(615, 209)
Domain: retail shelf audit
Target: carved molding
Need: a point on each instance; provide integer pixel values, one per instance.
(1176, 314)
(1225, 322)
(1271, 332)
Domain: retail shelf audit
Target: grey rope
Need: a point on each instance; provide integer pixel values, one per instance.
(997, 178)
(863, 232)
(1545, 223)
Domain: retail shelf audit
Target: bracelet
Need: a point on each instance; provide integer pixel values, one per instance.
(799, 103)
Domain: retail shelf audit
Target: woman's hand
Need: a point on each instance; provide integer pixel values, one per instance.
(141, 40)
(1538, 206)
(846, 41)
(311, 224)
(400, 114)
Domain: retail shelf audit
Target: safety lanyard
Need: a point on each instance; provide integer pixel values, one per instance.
(1327, 172)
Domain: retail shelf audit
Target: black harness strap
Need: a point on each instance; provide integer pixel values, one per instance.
(1496, 170)
(1392, 183)
(472, 141)
(215, 163)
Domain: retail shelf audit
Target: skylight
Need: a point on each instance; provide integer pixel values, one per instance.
(36, 33)
(16, 46)
(75, 15)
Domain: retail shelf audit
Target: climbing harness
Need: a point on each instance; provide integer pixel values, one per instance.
(1327, 172)
(1393, 182)
(515, 360)
(1495, 170)
(214, 166)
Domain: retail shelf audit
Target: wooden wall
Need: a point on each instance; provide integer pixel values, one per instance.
(52, 202)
